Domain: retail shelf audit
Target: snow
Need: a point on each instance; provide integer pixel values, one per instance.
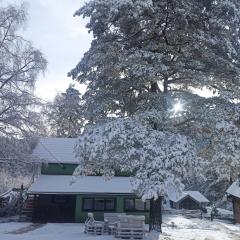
(6, 194)
(56, 150)
(193, 194)
(11, 226)
(184, 229)
(49, 231)
(159, 158)
(82, 184)
(177, 227)
(63, 114)
(234, 189)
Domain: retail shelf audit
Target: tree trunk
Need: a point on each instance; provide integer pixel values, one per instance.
(155, 217)
(165, 85)
(154, 87)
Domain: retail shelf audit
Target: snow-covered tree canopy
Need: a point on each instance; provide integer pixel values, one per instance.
(64, 114)
(20, 64)
(133, 146)
(158, 45)
(146, 57)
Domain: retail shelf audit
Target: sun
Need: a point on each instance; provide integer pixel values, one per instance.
(178, 107)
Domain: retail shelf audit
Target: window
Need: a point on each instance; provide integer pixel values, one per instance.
(109, 204)
(87, 204)
(99, 204)
(129, 204)
(134, 204)
(139, 205)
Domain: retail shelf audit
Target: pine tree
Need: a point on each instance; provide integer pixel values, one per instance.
(64, 114)
(146, 57)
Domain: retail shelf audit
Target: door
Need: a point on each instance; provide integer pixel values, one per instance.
(54, 208)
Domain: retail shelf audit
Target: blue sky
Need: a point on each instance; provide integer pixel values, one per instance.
(62, 38)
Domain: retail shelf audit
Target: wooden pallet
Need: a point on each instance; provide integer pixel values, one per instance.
(96, 228)
(130, 233)
(131, 227)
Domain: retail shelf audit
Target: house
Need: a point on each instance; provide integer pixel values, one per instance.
(190, 200)
(56, 198)
(233, 193)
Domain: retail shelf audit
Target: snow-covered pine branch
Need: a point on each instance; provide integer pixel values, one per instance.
(147, 56)
(156, 158)
(64, 115)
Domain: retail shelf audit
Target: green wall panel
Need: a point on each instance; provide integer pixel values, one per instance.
(58, 169)
(78, 209)
(80, 216)
(68, 168)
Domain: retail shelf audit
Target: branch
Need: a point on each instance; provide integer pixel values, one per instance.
(184, 122)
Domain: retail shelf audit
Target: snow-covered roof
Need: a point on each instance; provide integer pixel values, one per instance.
(6, 194)
(234, 189)
(196, 195)
(56, 150)
(62, 184)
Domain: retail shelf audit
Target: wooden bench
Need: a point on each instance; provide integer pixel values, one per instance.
(111, 220)
(131, 226)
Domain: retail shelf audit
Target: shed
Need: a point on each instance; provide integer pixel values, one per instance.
(190, 200)
(233, 193)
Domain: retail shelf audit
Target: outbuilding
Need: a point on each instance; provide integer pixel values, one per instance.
(233, 193)
(190, 200)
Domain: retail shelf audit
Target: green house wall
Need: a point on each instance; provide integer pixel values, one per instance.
(80, 215)
(58, 169)
(68, 169)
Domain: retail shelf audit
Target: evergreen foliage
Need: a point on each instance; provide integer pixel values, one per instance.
(64, 114)
(146, 58)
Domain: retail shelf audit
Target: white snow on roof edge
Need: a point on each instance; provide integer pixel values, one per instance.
(234, 189)
(196, 195)
(61, 184)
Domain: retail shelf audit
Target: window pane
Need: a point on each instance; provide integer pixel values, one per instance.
(87, 204)
(139, 204)
(99, 204)
(109, 204)
(148, 205)
(129, 204)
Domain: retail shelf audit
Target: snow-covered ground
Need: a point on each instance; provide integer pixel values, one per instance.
(175, 227)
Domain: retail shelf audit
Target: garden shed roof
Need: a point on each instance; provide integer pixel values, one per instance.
(234, 189)
(196, 195)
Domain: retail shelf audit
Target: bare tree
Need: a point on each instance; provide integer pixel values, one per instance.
(20, 64)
